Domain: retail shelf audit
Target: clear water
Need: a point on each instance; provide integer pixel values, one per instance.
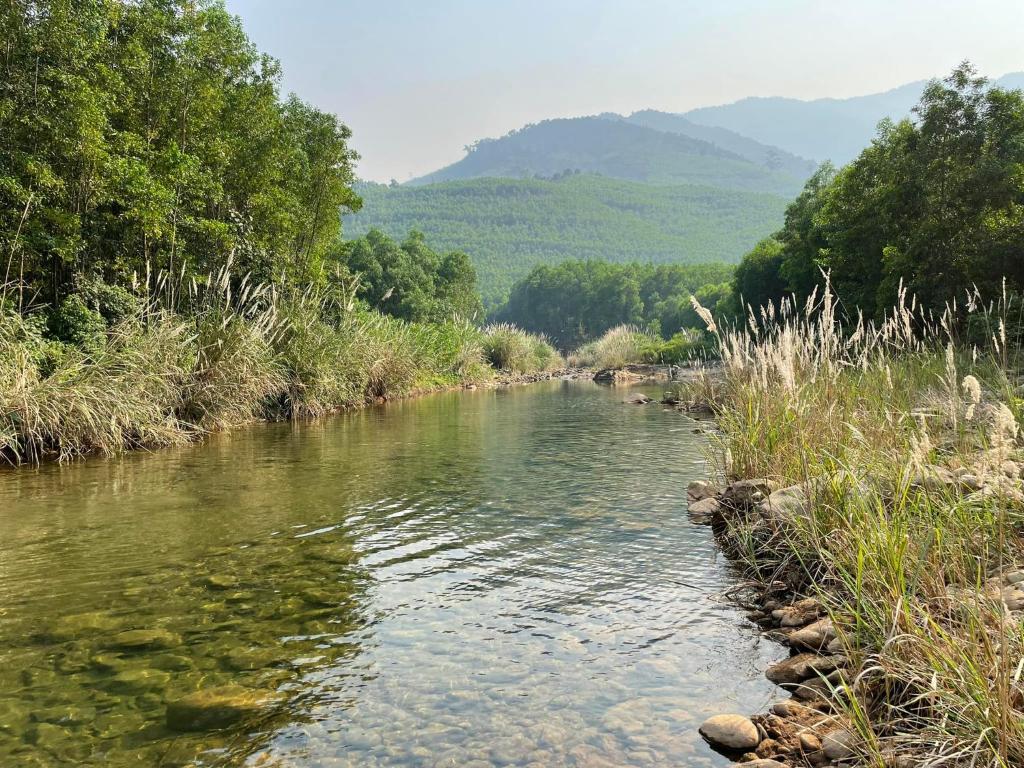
(485, 578)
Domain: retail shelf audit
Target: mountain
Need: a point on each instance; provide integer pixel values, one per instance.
(623, 149)
(822, 129)
(509, 225)
(770, 157)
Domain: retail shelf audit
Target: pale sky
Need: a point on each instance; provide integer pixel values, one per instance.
(416, 80)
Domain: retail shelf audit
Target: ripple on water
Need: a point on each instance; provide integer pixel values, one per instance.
(487, 578)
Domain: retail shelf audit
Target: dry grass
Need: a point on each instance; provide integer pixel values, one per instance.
(210, 354)
(622, 345)
(863, 414)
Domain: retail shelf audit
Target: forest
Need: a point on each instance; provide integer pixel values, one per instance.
(577, 301)
(509, 226)
(934, 207)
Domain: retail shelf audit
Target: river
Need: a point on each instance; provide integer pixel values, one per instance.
(492, 577)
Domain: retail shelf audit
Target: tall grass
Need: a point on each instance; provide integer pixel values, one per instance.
(508, 348)
(205, 355)
(622, 345)
(905, 441)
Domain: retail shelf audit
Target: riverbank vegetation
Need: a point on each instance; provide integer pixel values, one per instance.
(892, 450)
(576, 302)
(172, 260)
(934, 204)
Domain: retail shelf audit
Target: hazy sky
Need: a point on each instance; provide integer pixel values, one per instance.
(416, 80)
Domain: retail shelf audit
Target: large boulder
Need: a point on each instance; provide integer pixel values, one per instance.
(732, 732)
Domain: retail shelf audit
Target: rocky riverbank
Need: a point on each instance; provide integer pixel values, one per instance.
(825, 669)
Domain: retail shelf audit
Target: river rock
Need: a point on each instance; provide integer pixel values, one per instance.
(792, 670)
(214, 708)
(839, 744)
(786, 505)
(699, 490)
(704, 511)
(745, 493)
(81, 624)
(814, 636)
(734, 732)
(220, 581)
(144, 639)
(763, 763)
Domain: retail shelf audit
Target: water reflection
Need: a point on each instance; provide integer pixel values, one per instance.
(487, 578)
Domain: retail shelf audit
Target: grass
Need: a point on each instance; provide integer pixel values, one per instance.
(622, 345)
(905, 439)
(508, 348)
(210, 355)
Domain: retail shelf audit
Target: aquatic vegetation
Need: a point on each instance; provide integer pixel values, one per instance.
(905, 442)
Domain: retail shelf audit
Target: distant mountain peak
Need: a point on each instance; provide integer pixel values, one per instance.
(624, 148)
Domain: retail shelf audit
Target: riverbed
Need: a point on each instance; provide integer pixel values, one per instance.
(500, 577)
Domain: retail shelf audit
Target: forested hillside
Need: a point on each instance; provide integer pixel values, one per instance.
(618, 149)
(770, 157)
(935, 207)
(507, 226)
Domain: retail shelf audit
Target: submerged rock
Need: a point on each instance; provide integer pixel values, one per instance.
(81, 624)
(637, 399)
(215, 708)
(144, 639)
(734, 732)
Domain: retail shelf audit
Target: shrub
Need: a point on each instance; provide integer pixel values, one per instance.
(622, 345)
(511, 349)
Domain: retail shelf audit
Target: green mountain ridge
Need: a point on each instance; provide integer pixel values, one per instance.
(621, 148)
(507, 226)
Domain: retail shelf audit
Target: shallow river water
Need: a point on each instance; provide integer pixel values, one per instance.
(487, 578)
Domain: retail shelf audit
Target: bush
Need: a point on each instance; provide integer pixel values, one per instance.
(511, 349)
(684, 347)
(622, 345)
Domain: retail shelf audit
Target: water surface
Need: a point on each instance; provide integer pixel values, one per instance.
(488, 578)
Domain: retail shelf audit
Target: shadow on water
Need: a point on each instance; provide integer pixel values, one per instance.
(501, 577)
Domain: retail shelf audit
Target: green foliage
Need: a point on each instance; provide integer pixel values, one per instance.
(410, 280)
(686, 346)
(934, 205)
(758, 280)
(150, 135)
(509, 226)
(576, 301)
(74, 323)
